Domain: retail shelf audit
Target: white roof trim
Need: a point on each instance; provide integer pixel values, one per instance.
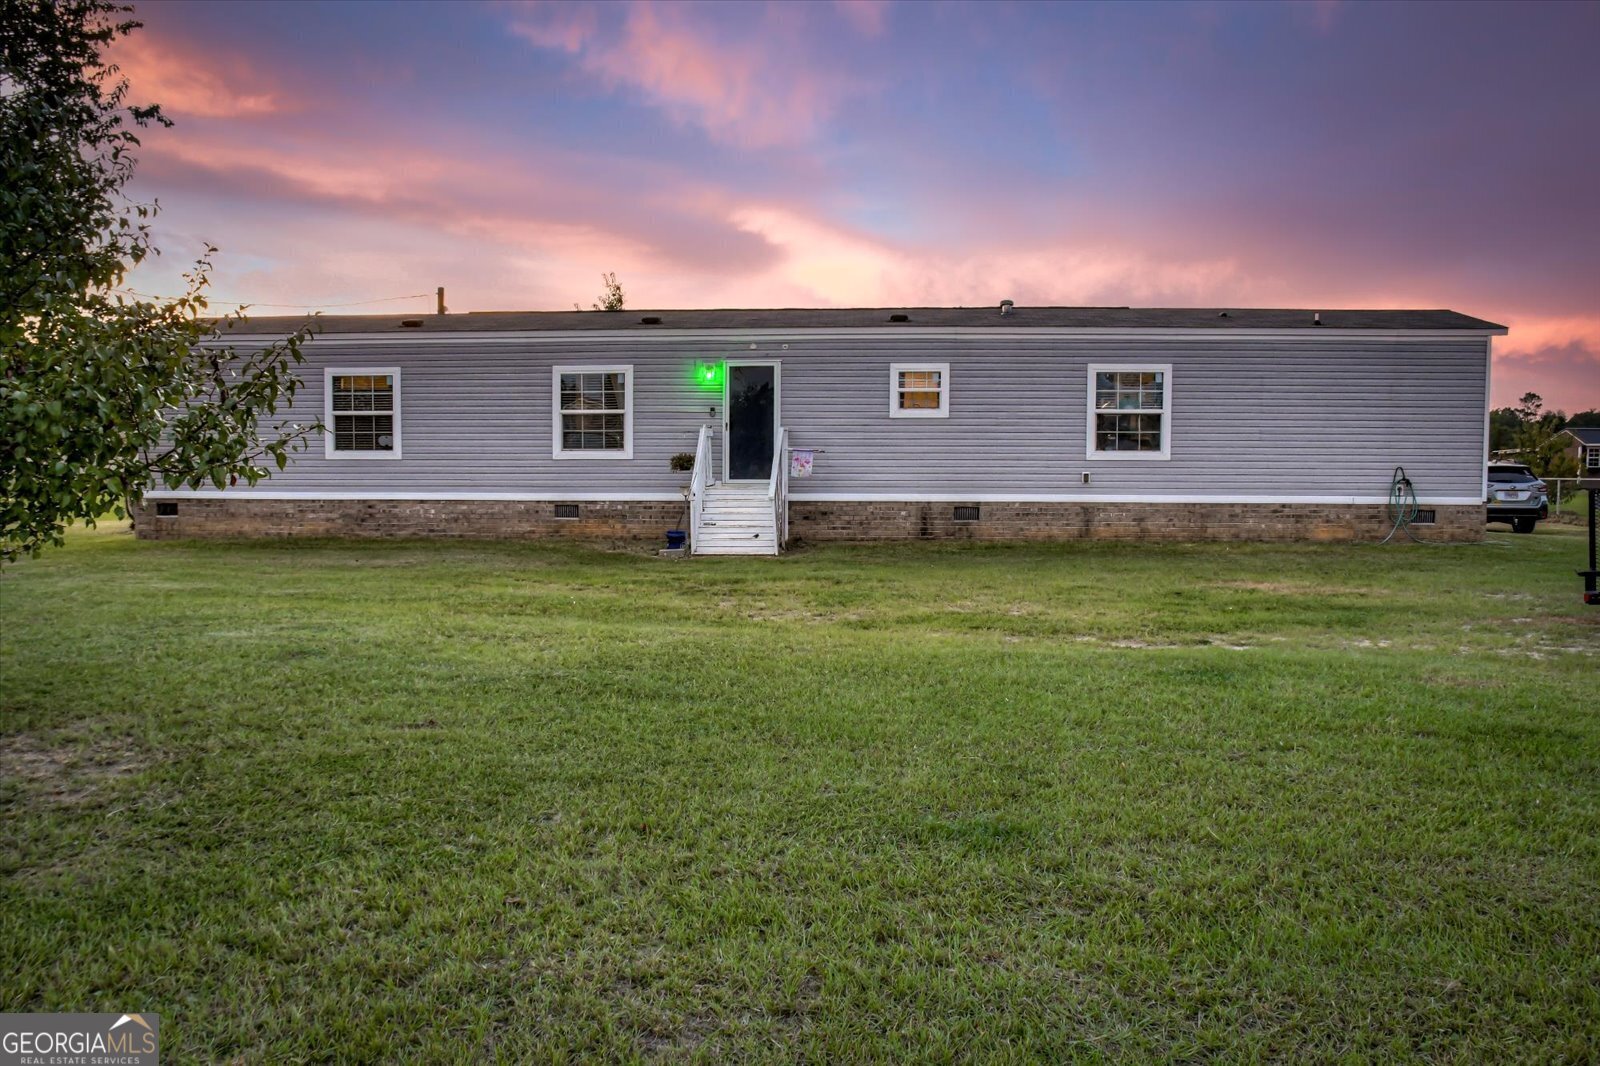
(413, 338)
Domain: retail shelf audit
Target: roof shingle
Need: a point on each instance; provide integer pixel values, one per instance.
(1233, 318)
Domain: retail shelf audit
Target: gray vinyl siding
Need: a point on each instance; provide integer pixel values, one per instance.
(1321, 415)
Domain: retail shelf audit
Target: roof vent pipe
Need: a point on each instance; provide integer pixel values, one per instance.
(1005, 307)
(1316, 318)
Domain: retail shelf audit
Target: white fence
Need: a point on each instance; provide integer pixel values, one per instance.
(1561, 489)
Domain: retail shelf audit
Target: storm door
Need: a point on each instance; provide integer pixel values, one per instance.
(751, 421)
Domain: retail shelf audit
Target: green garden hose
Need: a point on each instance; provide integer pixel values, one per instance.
(1402, 505)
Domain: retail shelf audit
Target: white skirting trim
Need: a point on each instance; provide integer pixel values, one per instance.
(520, 497)
(802, 497)
(1106, 497)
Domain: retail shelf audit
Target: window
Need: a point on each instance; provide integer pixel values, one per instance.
(919, 390)
(1592, 457)
(1129, 412)
(593, 412)
(363, 412)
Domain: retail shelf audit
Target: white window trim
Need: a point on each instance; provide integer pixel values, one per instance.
(896, 369)
(328, 440)
(1591, 457)
(1165, 370)
(558, 452)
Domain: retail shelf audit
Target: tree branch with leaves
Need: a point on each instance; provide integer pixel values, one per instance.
(103, 395)
(610, 300)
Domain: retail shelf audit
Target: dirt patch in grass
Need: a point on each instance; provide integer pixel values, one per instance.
(677, 1041)
(1136, 644)
(1298, 588)
(1286, 587)
(68, 775)
(800, 615)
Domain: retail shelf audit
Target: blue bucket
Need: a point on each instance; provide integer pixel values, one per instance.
(676, 538)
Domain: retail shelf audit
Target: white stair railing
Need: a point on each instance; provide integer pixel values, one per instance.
(778, 489)
(699, 481)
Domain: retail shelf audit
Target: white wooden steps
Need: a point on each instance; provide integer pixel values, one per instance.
(736, 520)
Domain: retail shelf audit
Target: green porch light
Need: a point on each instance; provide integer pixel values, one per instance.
(708, 375)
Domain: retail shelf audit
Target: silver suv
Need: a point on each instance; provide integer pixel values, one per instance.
(1516, 496)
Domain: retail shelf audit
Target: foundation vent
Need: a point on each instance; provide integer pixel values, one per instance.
(566, 510)
(967, 514)
(166, 508)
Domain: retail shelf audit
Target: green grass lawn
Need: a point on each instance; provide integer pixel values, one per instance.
(363, 802)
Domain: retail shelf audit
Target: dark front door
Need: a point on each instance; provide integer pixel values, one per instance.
(752, 420)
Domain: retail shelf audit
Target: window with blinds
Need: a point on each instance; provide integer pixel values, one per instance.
(919, 390)
(1128, 412)
(594, 411)
(363, 412)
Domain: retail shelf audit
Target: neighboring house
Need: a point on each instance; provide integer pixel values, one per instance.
(1584, 447)
(981, 423)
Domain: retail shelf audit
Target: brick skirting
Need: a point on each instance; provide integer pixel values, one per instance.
(809, 522)
(861, 521)
(611, 520)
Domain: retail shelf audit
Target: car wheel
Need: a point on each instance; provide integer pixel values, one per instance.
(1523, 525)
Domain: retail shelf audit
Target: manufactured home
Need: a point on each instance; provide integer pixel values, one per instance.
(995, 423)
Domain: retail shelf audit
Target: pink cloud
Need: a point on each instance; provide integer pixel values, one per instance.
(838, 266)
(188, 81)
(562, 204)
(755, 93)
(345, 170)
(1556, 356)
(568, 29)
(1564, 377)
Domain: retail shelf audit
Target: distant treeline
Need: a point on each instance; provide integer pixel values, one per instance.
(1534, 435)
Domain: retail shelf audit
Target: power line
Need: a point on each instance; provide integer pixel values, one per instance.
(296, 307)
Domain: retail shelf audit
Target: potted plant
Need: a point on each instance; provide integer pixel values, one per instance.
(681, 463)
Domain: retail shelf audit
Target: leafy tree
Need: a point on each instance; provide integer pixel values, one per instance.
(1503, 425)
(1537, 442)
(611, 299)
(104, 396)
(1529, 407)
(1585, 418)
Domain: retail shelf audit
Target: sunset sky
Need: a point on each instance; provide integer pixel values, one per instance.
(1312, 155)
